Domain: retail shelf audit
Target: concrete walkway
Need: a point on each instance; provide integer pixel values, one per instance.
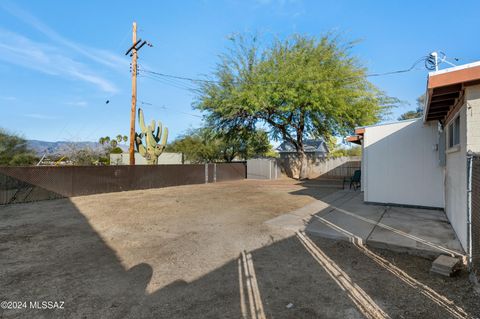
(343, 215)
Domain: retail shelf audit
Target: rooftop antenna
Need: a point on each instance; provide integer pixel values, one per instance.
(434, 54)
(435, 59)
(444, 59)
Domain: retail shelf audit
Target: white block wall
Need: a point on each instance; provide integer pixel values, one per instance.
(456, 182)
(456, 169)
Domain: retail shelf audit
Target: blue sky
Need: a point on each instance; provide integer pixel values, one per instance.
(61, 60)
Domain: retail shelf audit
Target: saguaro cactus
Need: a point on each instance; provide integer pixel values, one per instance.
(153, 147)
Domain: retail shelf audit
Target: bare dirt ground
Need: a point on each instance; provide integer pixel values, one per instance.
(177, 253)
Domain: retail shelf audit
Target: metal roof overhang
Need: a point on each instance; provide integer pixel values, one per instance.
(445, 90)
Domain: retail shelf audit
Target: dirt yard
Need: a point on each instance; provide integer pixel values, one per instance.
(203, 251)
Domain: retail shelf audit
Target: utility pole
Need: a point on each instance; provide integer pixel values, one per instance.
(134, 95)
(136, 45)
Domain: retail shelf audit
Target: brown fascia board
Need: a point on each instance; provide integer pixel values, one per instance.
(449, 83)
(454, 77)
(360, 131)
(354, 139)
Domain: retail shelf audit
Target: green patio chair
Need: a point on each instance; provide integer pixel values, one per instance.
(355, 180)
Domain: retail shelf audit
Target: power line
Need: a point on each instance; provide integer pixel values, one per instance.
(179, 85)
(122, 41)
(173, 82)
(197, 80)
(169, 81)
(170, 109)
(166, 82)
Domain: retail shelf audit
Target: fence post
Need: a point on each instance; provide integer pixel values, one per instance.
(269, 169)
(214, 172)
(276, 169)
(206, 173)
(3, 189)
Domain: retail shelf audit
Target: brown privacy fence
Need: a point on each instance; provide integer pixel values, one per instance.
(475, 212)
(25, 184)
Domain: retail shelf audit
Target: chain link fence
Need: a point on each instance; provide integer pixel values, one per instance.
(475, 212)
(26, 184)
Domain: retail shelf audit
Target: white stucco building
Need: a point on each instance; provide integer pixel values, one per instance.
(423, 162)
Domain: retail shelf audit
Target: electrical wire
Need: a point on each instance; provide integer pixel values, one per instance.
(122, 41)
(178, 85)
(162, 81)
(411, 68)
(173, 81)
(197, 80)
(163, 107)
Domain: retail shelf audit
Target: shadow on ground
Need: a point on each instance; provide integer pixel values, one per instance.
(57, 255)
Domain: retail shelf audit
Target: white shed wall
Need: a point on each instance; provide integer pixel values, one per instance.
(400, 164)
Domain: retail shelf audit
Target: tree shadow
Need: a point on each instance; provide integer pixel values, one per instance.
(50, 252)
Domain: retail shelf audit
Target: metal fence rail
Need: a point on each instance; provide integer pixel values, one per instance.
(25, 184)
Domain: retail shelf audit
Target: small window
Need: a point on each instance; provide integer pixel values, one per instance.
(454, 132)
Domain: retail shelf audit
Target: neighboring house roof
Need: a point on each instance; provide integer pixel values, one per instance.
(357, 137)
(445, 90)
(310, 146)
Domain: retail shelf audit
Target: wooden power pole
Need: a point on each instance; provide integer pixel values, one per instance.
(134, 95)
(133, 51)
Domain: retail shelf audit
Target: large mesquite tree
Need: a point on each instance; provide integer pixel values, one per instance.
(209, 145)
(300, 88)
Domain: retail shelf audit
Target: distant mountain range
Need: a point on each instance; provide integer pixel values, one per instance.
(63, 147)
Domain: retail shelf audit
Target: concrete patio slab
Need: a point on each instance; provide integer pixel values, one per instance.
(298, 219)
(360, 228)
(318, 228)
(425, 231)
(287, 221)
(350, 201)
(343, 215)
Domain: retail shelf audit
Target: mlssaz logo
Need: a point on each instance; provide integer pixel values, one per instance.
(47, 305)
